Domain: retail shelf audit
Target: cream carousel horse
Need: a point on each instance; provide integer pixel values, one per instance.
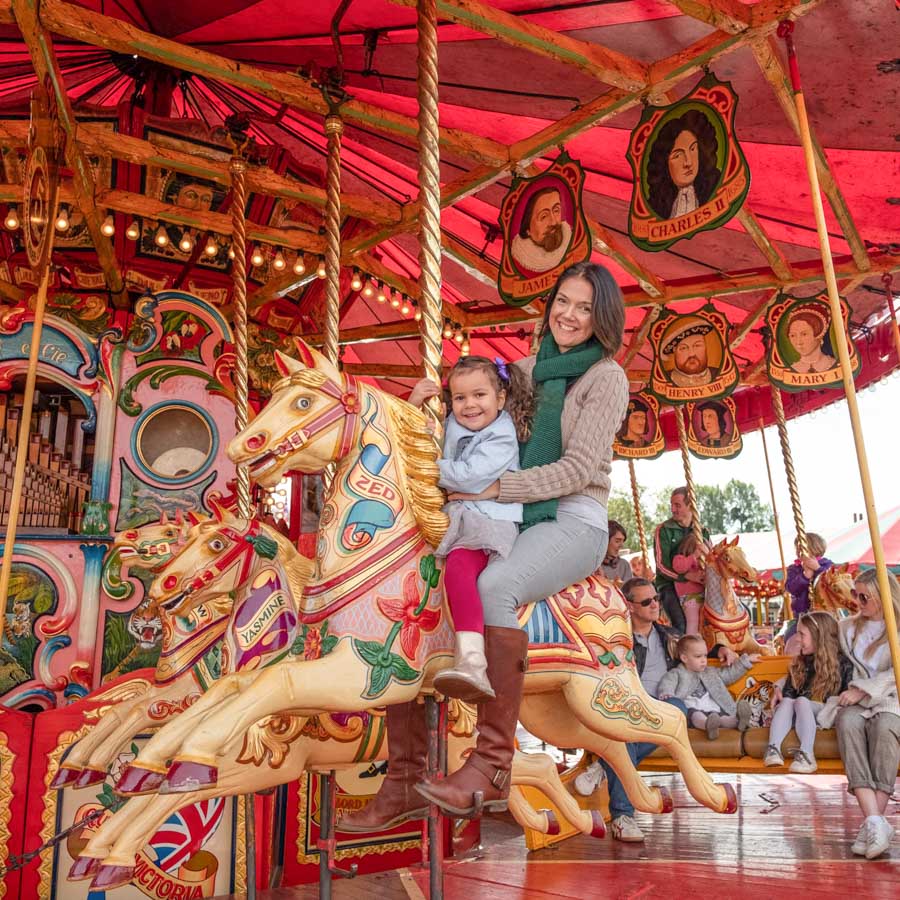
(725, 619)
(377, 588)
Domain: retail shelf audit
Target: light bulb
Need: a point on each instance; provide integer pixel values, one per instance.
(299, 267)
(368, 290)
(395, 302)
(382, 296)
(321, 270)
(212, 247)
(133, 231)
(12, 219)
(464, 349)
(448, 331)
(256, 257)
(458, 337)
(62, 219)
(161, 237)
(231, 253)
(356, 281)
(186, 244)
(109, 226)
(279, 263)
(404, 308)
(418, 315)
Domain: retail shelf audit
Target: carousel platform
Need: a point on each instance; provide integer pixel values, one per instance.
(791, 834)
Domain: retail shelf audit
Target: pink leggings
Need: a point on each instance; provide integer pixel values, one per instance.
(461, 570)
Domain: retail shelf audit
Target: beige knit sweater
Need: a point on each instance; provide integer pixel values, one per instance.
(592, 413)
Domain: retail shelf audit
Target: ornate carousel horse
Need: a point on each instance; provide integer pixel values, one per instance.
(377, 588)
(832, 591)
(725, 620)
(198, 645)
(280, 749)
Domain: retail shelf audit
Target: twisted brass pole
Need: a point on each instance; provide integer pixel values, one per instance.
(239, 275)
(696, 527)
(429, 196)
(786, 597)
(639, 516)
(334, 129)
(778, 406)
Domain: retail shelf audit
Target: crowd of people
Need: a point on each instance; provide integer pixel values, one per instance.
(527, 460)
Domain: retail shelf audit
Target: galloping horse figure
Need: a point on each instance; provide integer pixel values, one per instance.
(832, 591)
(377, 588)
(725, 619)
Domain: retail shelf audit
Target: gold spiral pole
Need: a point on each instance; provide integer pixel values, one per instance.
(696, 526)
(639, 516)
(429, 197)
(787, 597)
(238, 169)
(334, 129)
(778, 406)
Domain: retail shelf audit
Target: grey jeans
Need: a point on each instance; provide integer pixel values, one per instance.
(545, 559)
(870, 748)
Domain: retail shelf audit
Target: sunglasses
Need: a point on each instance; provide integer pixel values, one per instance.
(860, 597)
(647, 602)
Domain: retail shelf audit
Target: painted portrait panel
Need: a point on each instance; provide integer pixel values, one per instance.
(544, 231)
(640, 436)
(690, 174)
(712, 429)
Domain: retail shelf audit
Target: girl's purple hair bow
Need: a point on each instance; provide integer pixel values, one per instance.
(502, 369)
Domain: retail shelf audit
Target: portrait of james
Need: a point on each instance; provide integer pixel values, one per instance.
(682, 172)
(544, 231)
(714, 424)
(692, 353)
(807, 333)
(635, 431)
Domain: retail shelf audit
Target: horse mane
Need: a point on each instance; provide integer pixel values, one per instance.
(298, 568)
(418, 455)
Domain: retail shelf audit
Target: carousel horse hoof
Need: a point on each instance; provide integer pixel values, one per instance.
(89, 777)
(552, 822)
(665, 795)
(84, 867)
(185, 776)
(731, 804)
(109, 877)
(138, 780)
(64, 777)
(599, 829)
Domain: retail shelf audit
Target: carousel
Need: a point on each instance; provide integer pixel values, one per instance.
(234, 237)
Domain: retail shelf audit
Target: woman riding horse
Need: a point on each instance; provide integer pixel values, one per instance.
(564, 484)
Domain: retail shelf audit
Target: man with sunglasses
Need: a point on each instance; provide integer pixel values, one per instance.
(653, 648)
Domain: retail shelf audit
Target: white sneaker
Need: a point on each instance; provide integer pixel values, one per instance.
(861, 844)
(773, 756)
(624, 828)
(803, 764)
(589, 780)
(880, 834)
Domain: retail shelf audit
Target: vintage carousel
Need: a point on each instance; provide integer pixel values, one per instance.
(234, 236)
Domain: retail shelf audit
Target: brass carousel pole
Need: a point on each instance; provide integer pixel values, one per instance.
(784, 593)
(238, 169)
(639, 517)
(696, 525)
(429, 172)
(785, 30)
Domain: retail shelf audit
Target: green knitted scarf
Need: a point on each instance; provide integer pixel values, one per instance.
(553, 372)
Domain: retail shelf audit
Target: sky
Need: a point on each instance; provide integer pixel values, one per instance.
(824, 460)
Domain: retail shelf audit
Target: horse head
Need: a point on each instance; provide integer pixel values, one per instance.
(153, 545)
(833, 590)
(308, 423)
(728, 559)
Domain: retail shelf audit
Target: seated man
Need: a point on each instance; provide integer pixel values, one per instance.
(653, 648)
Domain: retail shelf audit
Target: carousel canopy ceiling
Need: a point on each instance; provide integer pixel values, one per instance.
(149, 86)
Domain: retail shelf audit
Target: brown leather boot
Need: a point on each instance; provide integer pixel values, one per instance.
(396, 801)
(486, 771)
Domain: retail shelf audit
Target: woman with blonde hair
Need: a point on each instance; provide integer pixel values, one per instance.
(868, 712)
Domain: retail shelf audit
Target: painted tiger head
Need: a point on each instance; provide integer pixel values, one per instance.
(759, 695)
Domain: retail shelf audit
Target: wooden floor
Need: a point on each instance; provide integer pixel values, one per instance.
(791, 836)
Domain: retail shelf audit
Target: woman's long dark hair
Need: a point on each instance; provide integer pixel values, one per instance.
(607, 308)
(661, 190)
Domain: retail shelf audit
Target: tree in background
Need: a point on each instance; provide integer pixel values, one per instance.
(723, 510)
(621, 510)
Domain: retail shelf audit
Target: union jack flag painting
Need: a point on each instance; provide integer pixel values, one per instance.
(185, 832)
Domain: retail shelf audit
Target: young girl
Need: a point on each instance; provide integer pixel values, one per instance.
(704, 691)
(818, 672)
(690, 591)
(490, 405)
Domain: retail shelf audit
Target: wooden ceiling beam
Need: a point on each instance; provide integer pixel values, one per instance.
(730, 16)
(776, 259)
(600, 62)
(752, 317)
(634, 347)
(6, 13)
(93, 28)
(15, 193)
(769, 62)
(43, 58)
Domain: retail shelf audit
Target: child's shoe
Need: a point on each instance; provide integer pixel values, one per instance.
(713, 724)
(467, 679)
(589, 780)
(773, 756)
(744, 714)
(803, 764)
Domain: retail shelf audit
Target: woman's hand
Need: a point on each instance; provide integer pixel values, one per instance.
(777, 696)
(491, 492)
(851, 696)
(424, 390)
